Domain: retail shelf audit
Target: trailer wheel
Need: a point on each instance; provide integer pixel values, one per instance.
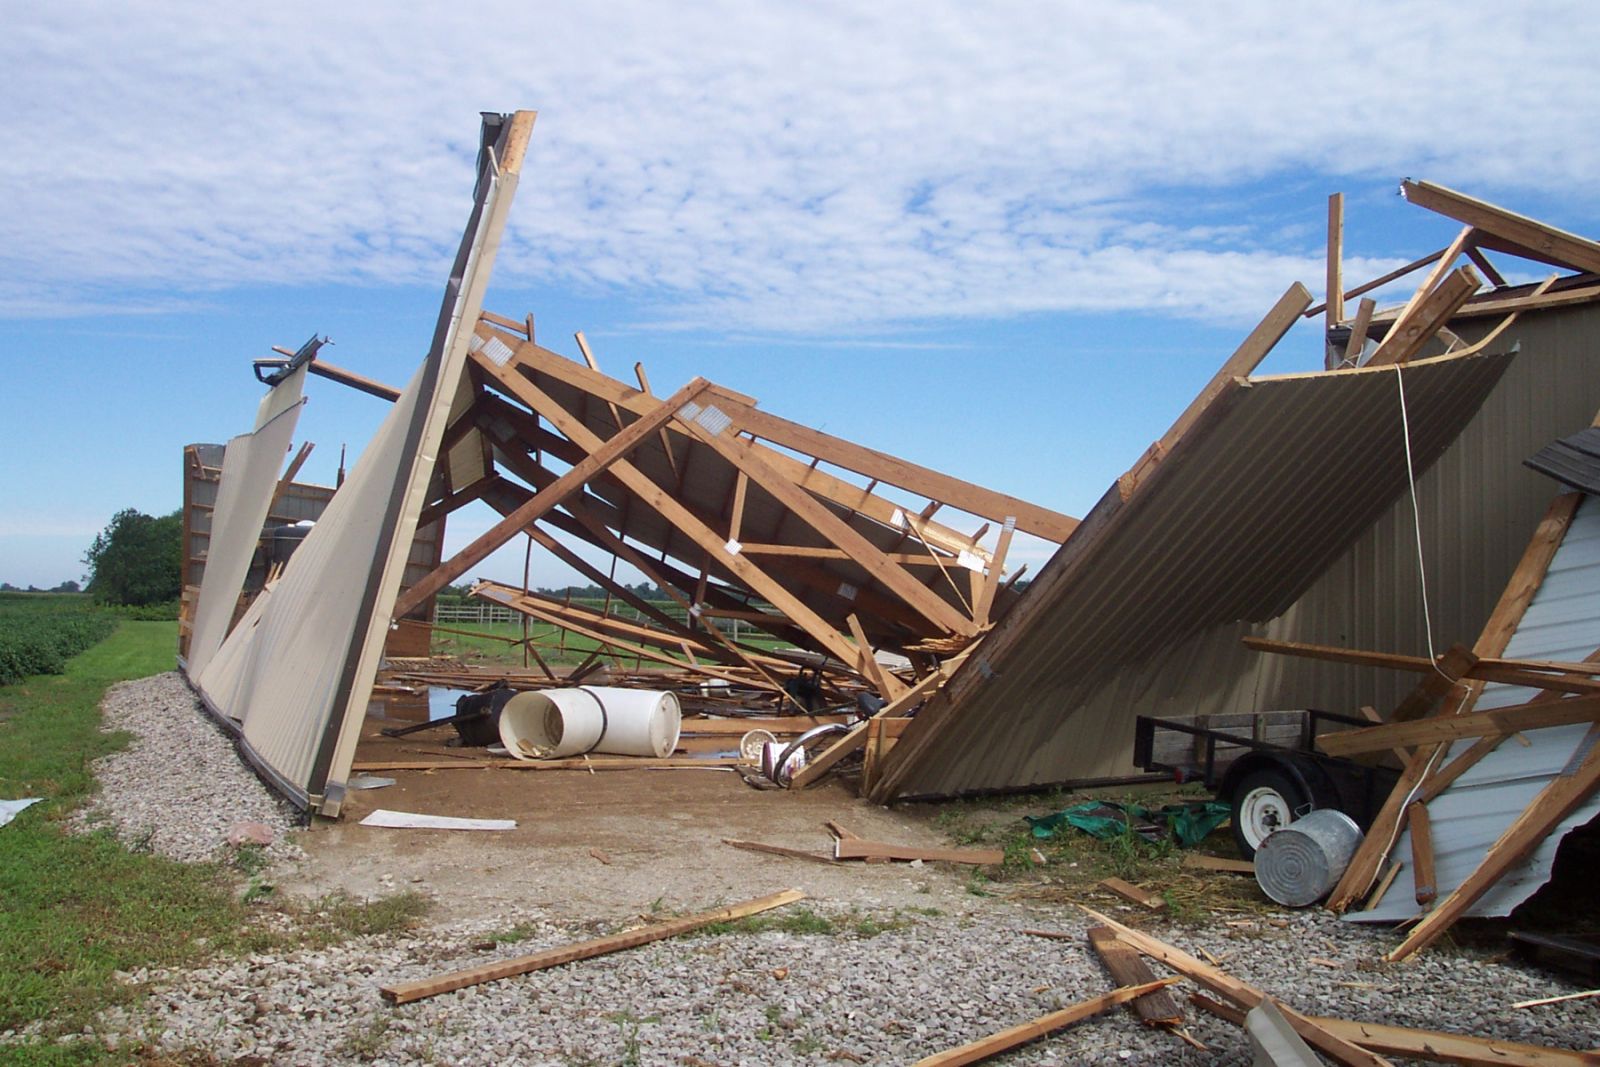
(1266, 800)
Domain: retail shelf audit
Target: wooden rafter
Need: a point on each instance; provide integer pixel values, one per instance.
(601, 456)
(653, 496)
(1506, 231)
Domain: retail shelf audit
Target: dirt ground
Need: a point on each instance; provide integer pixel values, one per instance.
(613, 843)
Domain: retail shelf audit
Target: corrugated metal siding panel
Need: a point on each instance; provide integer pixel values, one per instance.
(280, 682)
(1479, 506)
(1561, 623)
(1280, 476)
(250, 469)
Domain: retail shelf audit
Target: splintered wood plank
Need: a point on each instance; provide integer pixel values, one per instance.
(1127, 968)
(780, 850)
(1408, 335)
(1132, 893)
(1335, 288)
(995, 1044)
(1527, 237)
(1247, 996)
(856, 848)
(1218, 863)
(1422, 853)
(1359, 328)
(1434, 1045)
(406, 992)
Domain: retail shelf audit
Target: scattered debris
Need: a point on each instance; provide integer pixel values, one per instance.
(1133, 894)
(405, 820)
(9, 809)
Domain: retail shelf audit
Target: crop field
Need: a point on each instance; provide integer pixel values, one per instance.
(39, 632)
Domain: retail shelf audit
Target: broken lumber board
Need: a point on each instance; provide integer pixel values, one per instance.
(1220, 981)
(1433, 1045)
(1008, 1039)
(406, 992)
(1132, 893)
(1127, 968)
(856, 848)
(1565, 677)
(780, 850)
(1509, 720)
(1203, 862)
(609, 763)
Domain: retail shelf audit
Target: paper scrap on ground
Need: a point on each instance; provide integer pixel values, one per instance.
(408, 820)
(9, 808)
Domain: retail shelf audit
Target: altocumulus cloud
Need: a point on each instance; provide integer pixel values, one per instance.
(792, 167)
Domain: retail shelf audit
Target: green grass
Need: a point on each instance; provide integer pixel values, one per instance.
(76, 909)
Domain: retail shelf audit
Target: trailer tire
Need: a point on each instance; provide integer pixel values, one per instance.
(1265, 800)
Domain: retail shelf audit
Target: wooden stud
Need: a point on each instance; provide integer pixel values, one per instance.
(1127, 968)
(1359, 328)
(1497, 723)
(806, 507)
(1132, 893)
(857, 848)
(1481, 261)
(1261, 340)
(1411, 331)
(1435, 276)
(1367, 287)
(1335, 290)
(857, 735)
(983, 601)
(1422, 852)
(1008, 1039)
(406, 992)
(887, 685)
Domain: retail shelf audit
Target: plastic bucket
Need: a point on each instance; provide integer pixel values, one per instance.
(573, 722)
(1301, 863)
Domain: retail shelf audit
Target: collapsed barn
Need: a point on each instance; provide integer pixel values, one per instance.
(1351, 522)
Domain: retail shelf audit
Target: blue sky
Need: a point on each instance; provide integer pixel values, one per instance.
(1008, 243)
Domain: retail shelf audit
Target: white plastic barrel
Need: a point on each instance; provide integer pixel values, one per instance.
(573, 722)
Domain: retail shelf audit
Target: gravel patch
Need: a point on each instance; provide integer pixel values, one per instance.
(927, 984)
(921, 980)
(179, 788)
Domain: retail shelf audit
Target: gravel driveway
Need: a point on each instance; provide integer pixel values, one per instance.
(910, 967)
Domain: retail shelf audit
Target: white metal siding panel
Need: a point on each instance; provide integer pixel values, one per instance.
(250, 471)
(1562, 623)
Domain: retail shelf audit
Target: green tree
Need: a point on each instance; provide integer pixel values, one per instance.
(138, 559)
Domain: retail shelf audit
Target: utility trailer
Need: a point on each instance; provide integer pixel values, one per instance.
(1265, 767)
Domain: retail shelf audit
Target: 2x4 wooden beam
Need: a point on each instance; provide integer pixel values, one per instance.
(1514, 231)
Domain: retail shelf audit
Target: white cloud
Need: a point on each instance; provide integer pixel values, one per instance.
(806, 168)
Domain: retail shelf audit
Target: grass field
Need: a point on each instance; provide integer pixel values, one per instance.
(76, 909)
